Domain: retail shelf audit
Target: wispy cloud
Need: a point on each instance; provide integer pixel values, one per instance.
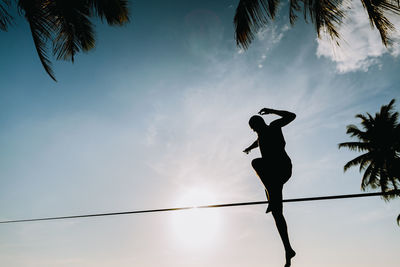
(360, 46)
(270, 37)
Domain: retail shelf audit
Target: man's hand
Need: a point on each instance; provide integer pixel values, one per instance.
(265, 111)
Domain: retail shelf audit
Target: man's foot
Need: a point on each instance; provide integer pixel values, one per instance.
(289, 255)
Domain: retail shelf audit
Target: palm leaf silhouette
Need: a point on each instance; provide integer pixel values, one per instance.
(251, 15)
(73, 29)
(115, 12)
(39, 18)
(64, 23)
(326, 15)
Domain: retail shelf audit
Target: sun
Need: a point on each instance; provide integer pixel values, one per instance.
(196, 228)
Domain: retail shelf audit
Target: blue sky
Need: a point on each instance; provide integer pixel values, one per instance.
(156, 116)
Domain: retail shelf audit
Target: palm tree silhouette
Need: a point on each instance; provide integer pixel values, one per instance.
(66, 23)
(380, 140)
(326, 15)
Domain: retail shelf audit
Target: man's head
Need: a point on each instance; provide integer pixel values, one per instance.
(257, 123)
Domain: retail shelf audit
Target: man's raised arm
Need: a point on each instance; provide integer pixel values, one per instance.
(287, 116)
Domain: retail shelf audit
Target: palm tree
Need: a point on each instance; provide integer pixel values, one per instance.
(326, 15)
(66, 23)
(380, 142)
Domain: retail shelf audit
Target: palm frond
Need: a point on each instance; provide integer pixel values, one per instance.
(376, 13)
(272, 7)
(66, 23)
(356, 161)
(355, 146)
(383, 176)
(390, 196)
(5, 17)
(390, 5)
(114, 11)
(395, 184)
(366, 177)
(40, 23)
(366, 160)
(390, 106)
(251, 15)
(293, 8)
(384, 181)
(388, 113)
(326, 15)
(388, 181)
(372, 179)
(362, 117)
(393, 117)
(74, 31)
(355, 132)
(367, 121)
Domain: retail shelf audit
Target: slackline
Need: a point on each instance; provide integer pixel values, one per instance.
(393, 192)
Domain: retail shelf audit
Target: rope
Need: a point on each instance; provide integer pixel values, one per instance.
(393, 192)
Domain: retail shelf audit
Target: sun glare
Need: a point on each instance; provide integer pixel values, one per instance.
(196, 228)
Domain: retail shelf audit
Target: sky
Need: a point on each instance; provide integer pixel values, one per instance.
(156, 116)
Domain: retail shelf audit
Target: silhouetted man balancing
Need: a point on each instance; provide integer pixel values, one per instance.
(274, 167)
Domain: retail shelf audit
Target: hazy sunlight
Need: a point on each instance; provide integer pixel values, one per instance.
(196, 228)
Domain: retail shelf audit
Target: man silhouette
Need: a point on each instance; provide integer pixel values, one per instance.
(274, 168)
